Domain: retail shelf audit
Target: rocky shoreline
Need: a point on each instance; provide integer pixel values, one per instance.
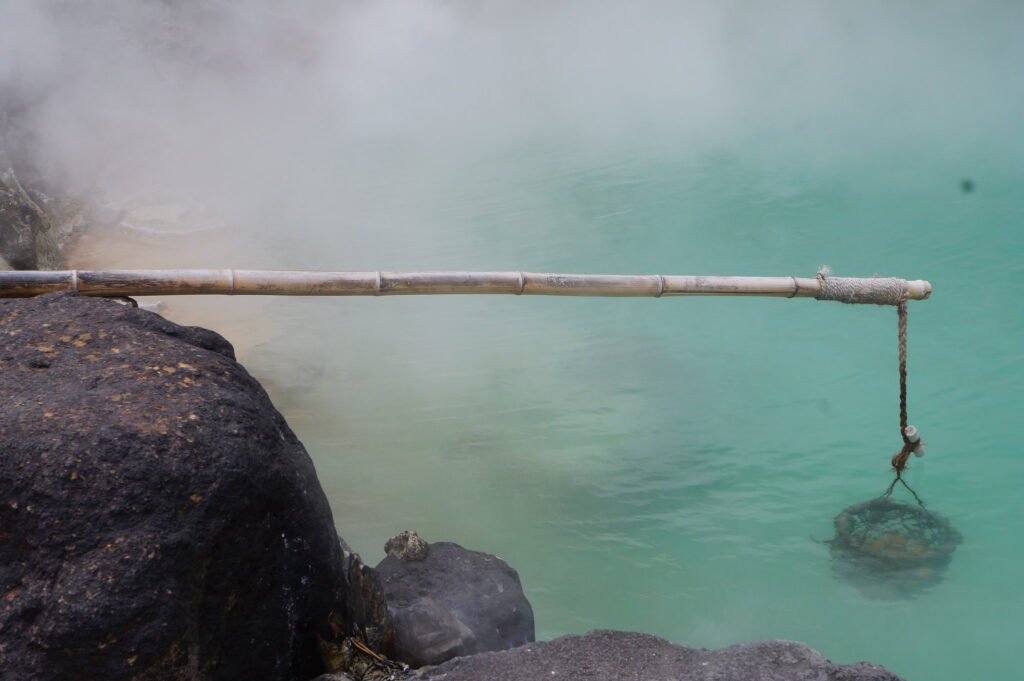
(160, 520)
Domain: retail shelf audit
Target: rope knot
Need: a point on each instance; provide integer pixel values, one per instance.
(899, 460)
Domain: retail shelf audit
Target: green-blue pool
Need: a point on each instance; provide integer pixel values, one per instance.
(665, 465)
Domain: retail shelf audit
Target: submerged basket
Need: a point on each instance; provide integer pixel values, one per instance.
(882, 542)
(896, 533)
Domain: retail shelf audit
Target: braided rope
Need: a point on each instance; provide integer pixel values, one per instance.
(877, 291)
(899, 461)
(901, 330)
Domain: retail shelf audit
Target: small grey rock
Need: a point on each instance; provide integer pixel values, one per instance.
(407, 546)
(454, 602)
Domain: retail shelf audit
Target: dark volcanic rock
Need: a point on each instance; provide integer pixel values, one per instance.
(454, 602)
(158, 518)
(626, 656)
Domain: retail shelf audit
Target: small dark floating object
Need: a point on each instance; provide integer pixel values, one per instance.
(967, 185)
(892, 550)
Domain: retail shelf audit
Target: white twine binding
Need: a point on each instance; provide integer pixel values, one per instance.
(877, 291)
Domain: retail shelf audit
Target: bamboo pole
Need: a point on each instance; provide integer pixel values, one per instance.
(25, 283)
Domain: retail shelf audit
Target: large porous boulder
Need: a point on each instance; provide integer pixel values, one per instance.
(446, 601)
(626, 656)
(158, 518)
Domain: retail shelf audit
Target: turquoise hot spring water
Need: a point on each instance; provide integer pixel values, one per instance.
(661, 465)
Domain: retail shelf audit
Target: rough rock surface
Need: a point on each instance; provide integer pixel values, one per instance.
(158, 518)
(365, 612)
(626, 656)
(454, 602)
(27, 239)
(407, 546)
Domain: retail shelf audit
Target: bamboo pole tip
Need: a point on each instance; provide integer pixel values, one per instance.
(919, 290)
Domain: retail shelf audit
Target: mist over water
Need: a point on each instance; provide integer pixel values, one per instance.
(658, 465)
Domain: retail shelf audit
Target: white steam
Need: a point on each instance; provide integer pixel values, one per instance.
(264, 99)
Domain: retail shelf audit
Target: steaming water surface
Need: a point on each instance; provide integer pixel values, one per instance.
(658, 465)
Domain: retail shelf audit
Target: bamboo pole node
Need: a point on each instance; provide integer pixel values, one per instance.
(231, 272)
(377, 283)
(522, 283)
(661, 286)
(876, 290)
(74, 280)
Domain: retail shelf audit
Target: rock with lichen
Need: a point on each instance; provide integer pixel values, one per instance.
(27, 238)
(366, 610)
(406, 546)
